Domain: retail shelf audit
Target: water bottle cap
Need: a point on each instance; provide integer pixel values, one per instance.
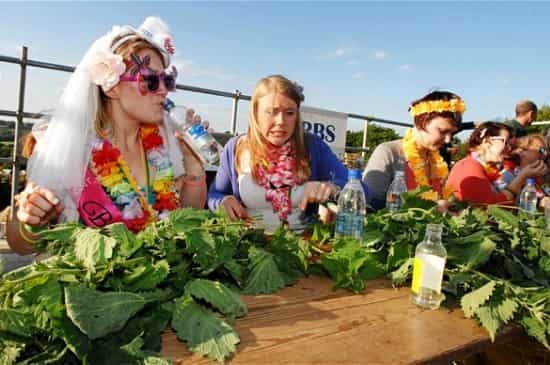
(168, 104)
(530, 181)
(354, 174)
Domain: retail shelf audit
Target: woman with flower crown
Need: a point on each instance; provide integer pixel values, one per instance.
(437, 116)
(477, 177)
(273, 171)
(107, 155)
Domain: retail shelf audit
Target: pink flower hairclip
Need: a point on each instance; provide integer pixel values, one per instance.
(169, 46)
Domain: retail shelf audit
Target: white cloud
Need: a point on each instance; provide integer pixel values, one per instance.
(188, 68)
(380, 55)
(358, 76)
(340, 52)
(405, 67)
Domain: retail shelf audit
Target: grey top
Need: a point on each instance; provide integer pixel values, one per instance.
(380, 170)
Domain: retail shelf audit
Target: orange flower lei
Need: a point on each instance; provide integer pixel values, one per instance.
(417, 163)
(116, 178)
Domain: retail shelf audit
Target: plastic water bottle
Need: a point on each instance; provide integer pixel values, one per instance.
(528, 197)
(394, 197)
(429, 264)
(195, 135)
(351, 208)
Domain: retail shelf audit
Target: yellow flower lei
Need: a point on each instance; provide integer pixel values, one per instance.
(453, 105)
(417, 163)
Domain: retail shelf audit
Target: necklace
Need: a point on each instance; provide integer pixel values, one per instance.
(437, 168)
(113, 173)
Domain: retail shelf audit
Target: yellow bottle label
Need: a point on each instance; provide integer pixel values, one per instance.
(417, 275)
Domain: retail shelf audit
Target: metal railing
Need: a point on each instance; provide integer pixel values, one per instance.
(23, 61)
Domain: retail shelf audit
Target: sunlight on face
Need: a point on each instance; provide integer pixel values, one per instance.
(277, 117)
(438, 131)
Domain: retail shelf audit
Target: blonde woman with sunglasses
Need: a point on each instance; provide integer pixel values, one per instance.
(473, 178)
(107, 155)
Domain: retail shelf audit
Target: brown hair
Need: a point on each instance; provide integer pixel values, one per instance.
(525, 106)
(422, 120)
(256, 143)
(485, 130)
(103, 118)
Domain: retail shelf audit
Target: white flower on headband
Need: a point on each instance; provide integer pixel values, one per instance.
(105, 69)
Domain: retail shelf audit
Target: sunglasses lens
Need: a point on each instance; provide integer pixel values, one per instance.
(170, 82)
(153, 82)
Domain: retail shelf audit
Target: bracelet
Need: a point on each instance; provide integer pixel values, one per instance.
(195, 180)
(25, 234)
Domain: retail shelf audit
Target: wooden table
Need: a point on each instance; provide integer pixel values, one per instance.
(310, 323)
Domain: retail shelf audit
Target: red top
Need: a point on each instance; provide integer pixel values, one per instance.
(469, 182)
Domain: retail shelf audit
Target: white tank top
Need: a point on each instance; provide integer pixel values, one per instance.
(253, 197)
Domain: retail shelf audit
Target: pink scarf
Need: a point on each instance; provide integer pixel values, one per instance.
(276, 175)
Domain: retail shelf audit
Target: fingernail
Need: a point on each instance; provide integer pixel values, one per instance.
(55, 201)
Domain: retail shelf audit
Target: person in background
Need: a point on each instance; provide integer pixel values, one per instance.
(437, 116)
(274, 171)
(473, 178)
(107, 155)
(526, 114)
(526, 150)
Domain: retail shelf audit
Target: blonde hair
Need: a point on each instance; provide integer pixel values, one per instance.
(102, 121)
(530, 142)
(256, 143)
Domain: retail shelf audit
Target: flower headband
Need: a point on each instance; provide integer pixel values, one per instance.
(300, 90)
(106, 67)
(439, 106)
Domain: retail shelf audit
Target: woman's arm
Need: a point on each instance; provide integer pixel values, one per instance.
(193, 183)
(36, 207)
(378, 175)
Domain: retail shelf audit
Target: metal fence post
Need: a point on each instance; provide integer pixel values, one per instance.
(18, 123)
(234, 112)
(365, 135)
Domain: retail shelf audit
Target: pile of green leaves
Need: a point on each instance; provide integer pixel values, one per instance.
(107, 294)
(498, 264)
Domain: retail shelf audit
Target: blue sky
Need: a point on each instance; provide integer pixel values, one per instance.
(363, 58)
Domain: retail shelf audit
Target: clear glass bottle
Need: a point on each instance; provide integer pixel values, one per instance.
(352, 206)
(429, 264)
(195, 135)
(394, 196)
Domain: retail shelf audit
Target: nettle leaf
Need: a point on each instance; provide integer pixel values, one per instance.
(544, 264)
(473, 300)
(535, 328)
(17, 322)
(372, 267)
(399, 276)
(489, 319)
(10, 351)
(472, 255)
(183, 220)
(218, 295)
(203, 331)
(75, 340)
(128, 244)
(506, 309)
(506, 220)
(398, 253)
(208, 251)
(291, 254)
(100, 313)
(148, 276)
(93, 248)
(343, 264)
(62, 232)
(151, 360)
(264, 276)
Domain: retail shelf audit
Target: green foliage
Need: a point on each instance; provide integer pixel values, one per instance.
(375, 135)
(107, 294)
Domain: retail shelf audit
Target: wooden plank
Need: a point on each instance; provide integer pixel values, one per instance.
(311, 324)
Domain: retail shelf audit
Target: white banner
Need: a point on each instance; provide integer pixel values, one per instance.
(328, 125)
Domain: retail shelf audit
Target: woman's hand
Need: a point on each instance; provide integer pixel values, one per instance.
(38, 206)
(317, 192)
(234, 209)
(535, 169)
